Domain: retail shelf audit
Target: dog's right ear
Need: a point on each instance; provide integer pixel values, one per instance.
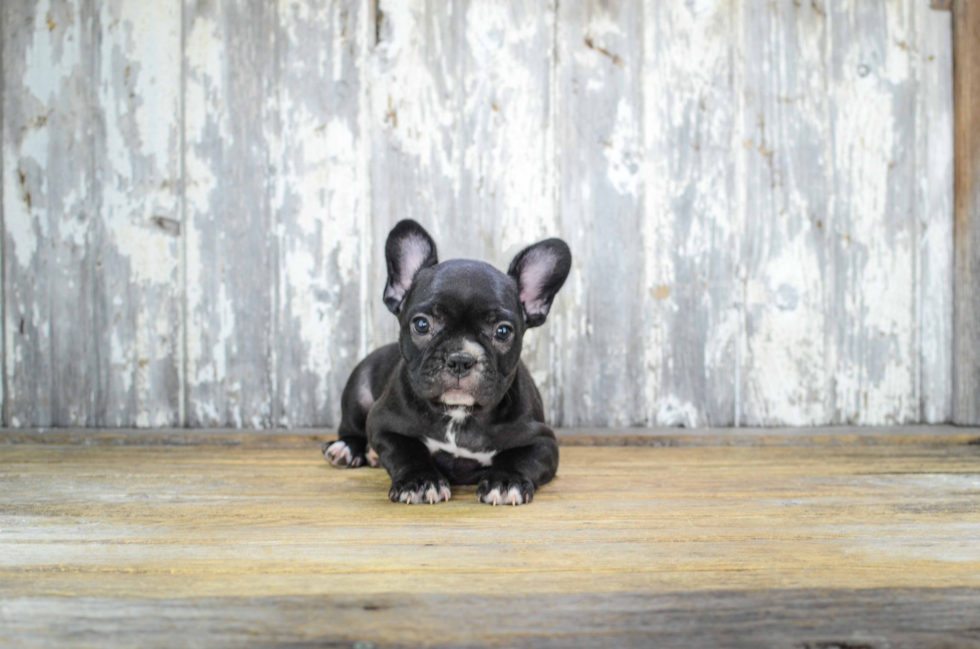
(408, 250)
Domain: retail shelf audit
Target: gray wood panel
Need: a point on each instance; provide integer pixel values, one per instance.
(933, 61)
(320, 203)
(138, 299)
(873, 231)
(49, 216)
(600, 166)
(758, 198)
(463, 141)
(91, 229)
(781, 144)
(229, 112)
(691, 224)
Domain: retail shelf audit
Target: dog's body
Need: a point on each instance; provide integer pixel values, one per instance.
(451, 402)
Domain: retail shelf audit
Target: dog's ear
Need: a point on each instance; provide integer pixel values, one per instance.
(408, 250)
(540, 270)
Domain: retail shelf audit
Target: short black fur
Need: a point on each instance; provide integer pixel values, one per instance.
(452, 402)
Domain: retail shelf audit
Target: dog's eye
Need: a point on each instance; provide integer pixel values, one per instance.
(503, 333)
(421, 326)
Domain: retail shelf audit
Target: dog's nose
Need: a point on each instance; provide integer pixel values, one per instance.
(460, 363)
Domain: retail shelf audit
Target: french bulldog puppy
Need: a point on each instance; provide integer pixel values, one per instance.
(451, 403)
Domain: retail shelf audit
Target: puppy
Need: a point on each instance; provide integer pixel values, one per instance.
(452, 403)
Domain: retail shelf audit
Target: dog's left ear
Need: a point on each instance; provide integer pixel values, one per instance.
(540, 270)
(408, 250)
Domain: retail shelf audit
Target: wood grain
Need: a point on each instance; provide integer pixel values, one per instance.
(819, 618)
(229, 103)
(873, 244)
(786, 545)
(49, 213)
(933, 64)
(600, 166)
(320, 191)
(781, 144)
(966, 322)
(758, 197)
(691, 218)
(91, 222)
(463, 141)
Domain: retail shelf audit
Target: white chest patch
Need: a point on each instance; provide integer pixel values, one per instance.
(456, 417)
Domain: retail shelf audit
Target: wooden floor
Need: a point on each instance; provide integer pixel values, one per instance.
(814, 538)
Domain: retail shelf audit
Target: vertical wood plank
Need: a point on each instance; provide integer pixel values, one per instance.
(462, 138)
(872, 214)
(319, 206)
(138, 293)
(600, 165)
(49, 214)
(966, 98)
(507, 185)
(230, 95)
(415, 154)
(3, 287)
(784, 124)
(932, 56)
(691, 227)
(90, 213)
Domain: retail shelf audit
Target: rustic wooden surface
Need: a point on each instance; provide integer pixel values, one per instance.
(91, 217)
(855, 539)
(966, 47)
(758, 196)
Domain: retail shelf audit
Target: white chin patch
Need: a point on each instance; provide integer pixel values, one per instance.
(457, 398)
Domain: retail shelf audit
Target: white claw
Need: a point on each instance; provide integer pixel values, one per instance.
(445, 493)
(494, 497)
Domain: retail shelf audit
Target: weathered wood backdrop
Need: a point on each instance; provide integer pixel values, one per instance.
(758, 195)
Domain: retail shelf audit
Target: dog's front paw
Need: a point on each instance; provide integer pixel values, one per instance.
(344, 454)
(427, 487)
(502, 488)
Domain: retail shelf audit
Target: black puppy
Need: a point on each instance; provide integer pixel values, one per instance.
(451, 402)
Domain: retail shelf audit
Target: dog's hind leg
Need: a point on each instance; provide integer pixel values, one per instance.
(351, 448)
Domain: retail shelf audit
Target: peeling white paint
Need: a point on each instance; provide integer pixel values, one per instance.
(463, 117)
(53, 54)
(624, 152)
(671, 411)
(19, 223)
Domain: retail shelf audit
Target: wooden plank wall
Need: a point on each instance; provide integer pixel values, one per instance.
(966, 324)
(758, 196)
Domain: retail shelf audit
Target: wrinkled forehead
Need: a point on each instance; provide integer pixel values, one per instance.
(465, 285)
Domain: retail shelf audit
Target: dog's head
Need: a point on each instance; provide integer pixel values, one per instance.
(462, 321)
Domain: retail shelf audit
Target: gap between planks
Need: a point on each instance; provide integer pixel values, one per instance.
(946, 435)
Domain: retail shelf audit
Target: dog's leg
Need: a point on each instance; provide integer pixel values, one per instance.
(516, 473)
(414, 476)
(351, 448)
